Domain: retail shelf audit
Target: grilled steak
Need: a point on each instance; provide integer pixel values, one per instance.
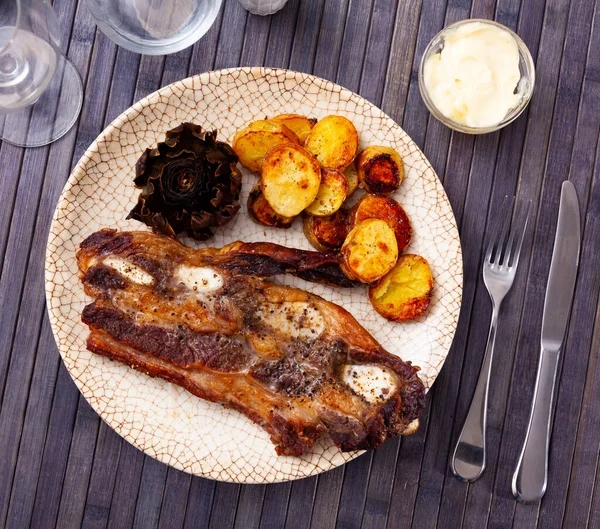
(208, 320)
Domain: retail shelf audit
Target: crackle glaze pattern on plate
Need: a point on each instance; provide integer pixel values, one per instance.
(163, 420)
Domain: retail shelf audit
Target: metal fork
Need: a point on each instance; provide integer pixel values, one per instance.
(499, 268)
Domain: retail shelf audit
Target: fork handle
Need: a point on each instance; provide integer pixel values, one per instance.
(468, 460)
(531, 475)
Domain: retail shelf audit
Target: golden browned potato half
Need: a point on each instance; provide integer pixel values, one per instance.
(405, 292)
(370, 251)
(299, 125)
(291, 177)
(352, 175)
(384, 208)
(380, 169)
(262, 213)
(327, 233)
(252, 143)
(331, 195)
(334, 141)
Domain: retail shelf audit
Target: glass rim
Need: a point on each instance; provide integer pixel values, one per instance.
(513, 113)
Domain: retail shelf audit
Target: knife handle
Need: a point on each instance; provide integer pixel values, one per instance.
(530, 477)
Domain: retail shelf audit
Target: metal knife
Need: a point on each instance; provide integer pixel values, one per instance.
(530, 477)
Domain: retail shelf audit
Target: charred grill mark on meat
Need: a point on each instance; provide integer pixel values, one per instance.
(208, 321)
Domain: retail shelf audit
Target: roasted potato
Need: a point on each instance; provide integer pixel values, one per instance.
(380, 169)
(327, 233)
(252, 143)
(405, 292)
(384, 208)
(370, 251)
(291, 177)
(352, 176)
(262, 213)
(332, 193)
(299, 125)
(334, 141)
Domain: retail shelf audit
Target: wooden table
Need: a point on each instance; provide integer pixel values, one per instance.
(61, 466)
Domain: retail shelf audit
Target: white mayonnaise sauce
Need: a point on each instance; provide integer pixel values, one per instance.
(295, 319)
(374, 383)
(127, 269)
(198, 279)
(473, 80)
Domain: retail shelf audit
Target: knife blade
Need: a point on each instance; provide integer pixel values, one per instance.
(531, 475)
(563, 270)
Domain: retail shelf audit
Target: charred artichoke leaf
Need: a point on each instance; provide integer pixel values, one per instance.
(190, 183)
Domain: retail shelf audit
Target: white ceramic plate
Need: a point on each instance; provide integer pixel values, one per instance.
(163, 420)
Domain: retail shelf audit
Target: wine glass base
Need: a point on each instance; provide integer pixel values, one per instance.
(52, 115)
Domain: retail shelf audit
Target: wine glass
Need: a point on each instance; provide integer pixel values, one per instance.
(40, 90)
(154, 27)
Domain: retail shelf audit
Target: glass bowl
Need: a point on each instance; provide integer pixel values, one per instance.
(154, 27)
(525, 85)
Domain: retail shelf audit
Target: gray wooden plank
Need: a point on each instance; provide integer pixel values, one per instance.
(275, 506)
(354, 44)
(224, 506)
(416, 115)
(250, 506)
(102, 479)
(331, 34)
(56, 452)
(199, 503)
(256, 38)
(127, 484)
(152, 485)
(406, 475)
(281, 35)
(377, 51)
(302, 55)
(27, 469)
(400, 63)
(354, 492)
(327, 498)
(381, 480)
(204, 51)
(230, 41)
(176, 66)
(10, 169)
(302, 498)
(594, 509)
(81, 453)
(17, 331)
(174, 502)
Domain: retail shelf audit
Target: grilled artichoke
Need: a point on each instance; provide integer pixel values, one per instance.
(189, 183)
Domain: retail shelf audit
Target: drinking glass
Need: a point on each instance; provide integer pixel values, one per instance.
(40, 90)
(154, 27)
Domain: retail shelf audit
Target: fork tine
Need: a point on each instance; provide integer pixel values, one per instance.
(501, 251)
(515, 251)
(496, 230)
